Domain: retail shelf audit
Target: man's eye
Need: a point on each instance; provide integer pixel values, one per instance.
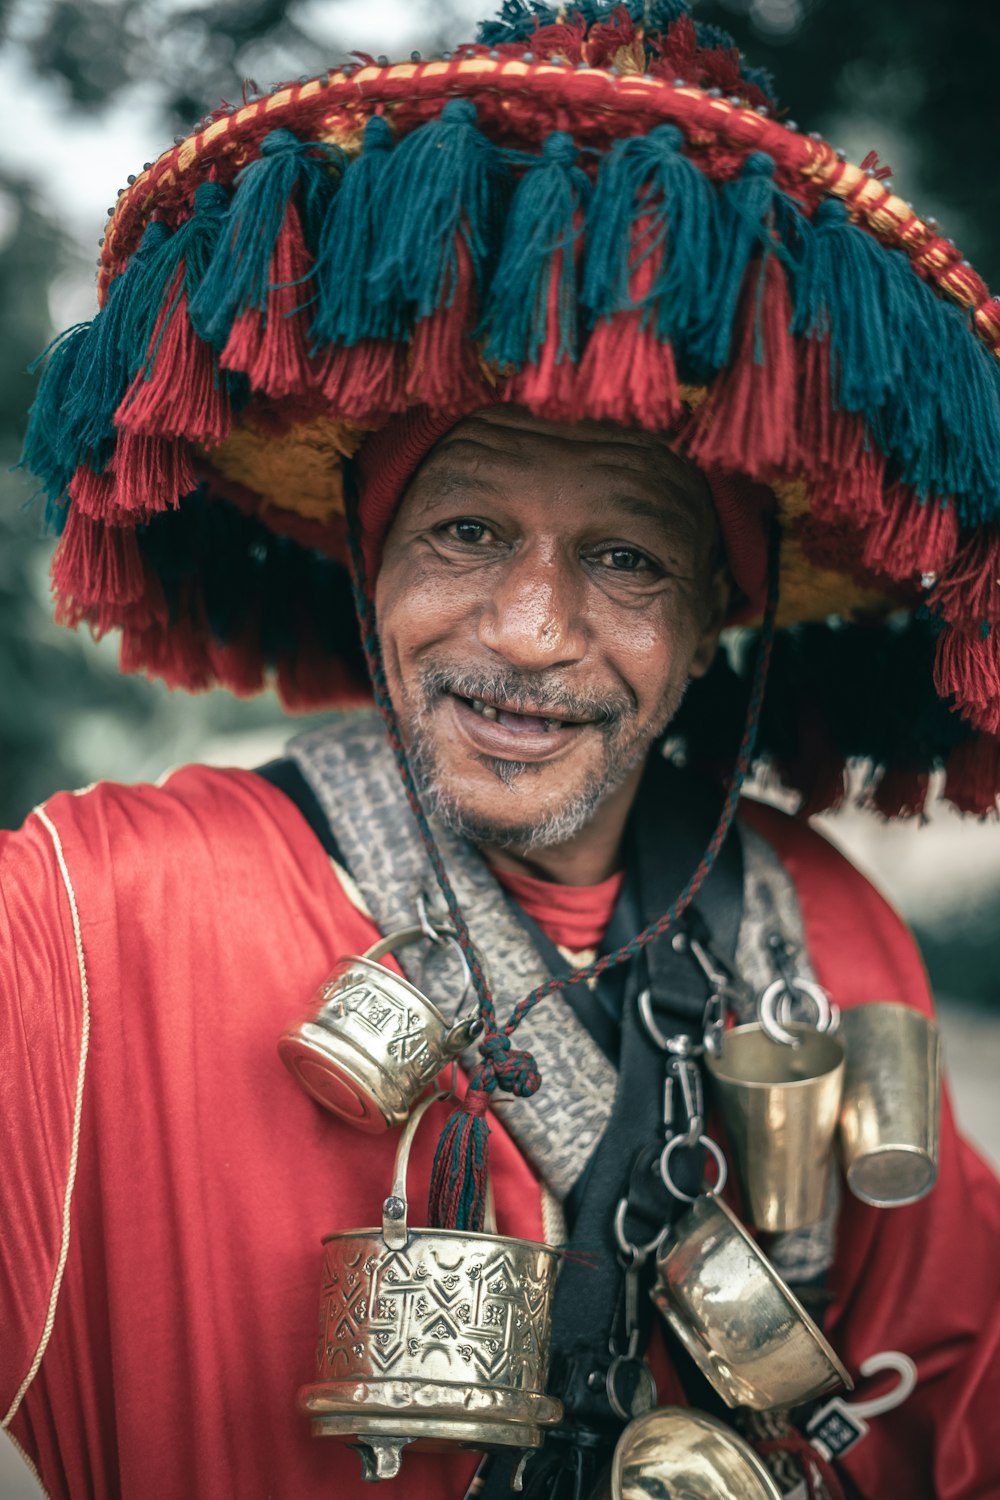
(465, 531)
(624, 559)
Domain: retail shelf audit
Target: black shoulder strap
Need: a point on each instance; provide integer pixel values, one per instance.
(286, 776)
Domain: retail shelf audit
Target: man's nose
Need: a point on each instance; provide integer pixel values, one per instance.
(534, 615)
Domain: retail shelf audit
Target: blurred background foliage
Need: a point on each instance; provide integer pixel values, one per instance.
(911, 79)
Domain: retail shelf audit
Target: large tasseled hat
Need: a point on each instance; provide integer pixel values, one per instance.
(594, 214)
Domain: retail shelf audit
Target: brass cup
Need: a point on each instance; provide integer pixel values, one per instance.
(890, 1115)
(675, 1453)
(780, 1106)
(745, 1329)
(373, 1042)
(431, 1337)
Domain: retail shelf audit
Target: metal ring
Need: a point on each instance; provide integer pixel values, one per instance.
(713, 1150)
(773, 1009)
(609, 1384)
(637, 1254)
(445, 938)
(827, 1013)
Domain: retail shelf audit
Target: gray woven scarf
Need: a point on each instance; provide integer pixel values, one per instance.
(350, 768)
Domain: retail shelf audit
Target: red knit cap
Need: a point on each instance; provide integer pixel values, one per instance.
(389, 459)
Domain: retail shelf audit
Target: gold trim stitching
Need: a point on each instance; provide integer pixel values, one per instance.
(50, 1316)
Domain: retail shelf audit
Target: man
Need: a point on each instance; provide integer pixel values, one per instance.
(548, 574)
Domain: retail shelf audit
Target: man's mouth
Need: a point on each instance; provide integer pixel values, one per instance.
(528, 732)
(520, 720)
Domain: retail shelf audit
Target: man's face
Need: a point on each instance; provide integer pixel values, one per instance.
(545, 594)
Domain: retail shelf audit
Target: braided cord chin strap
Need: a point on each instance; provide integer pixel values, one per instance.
(458, 1187)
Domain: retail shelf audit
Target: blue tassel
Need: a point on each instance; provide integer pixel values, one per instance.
(647, 177)
(238, 277)
(45, 453)
(860, 297)
(518, 20)
(753, 217)
(970, 413)
(345, 311)
(193, 243)
(107, 363)
(910, 427)
(444, 179)
(542, 222)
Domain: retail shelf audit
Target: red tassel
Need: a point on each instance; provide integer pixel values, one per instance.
(459, 1175)
(969, 589)
(175, 653)
(845, 468)
(237, 665)
(179, 391)
(911, 537)
(901, 794)
(272, 349)
(967, 667)
(627, 374)
(444, 366)
(151, 474)
(606, 39)
(311, 679)
(95, 495)
(94, 566)
(818, 771)
(748, 422)
(144, 475)
(366, 382)
(549, 389)
(972, 776)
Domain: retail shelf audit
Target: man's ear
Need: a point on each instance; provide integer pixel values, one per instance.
(716, 608)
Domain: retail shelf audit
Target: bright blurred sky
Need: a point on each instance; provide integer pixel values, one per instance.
(78, 160)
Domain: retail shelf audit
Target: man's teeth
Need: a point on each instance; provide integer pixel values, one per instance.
(489, 712)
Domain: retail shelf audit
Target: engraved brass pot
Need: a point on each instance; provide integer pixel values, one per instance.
(430, 1337)
(372, 1042)
(745, 1329)
(675, 1453)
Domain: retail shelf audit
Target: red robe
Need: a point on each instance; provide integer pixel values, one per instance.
(164, 1184)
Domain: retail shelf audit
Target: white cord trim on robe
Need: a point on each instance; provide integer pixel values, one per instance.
(50, 1318)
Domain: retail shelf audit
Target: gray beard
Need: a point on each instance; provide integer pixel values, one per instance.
(625, 747)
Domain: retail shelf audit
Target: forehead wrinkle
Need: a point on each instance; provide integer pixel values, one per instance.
(454, 442)
(444, 480)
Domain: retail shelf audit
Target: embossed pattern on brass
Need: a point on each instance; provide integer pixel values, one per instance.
(373, 1042)
(744, 1328)
(472, 1309)
(431, 1336)
(679, 1454)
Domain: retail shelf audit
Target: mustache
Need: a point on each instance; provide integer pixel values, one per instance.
(528, 692)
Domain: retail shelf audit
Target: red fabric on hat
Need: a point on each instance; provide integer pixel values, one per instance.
(389, 459)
